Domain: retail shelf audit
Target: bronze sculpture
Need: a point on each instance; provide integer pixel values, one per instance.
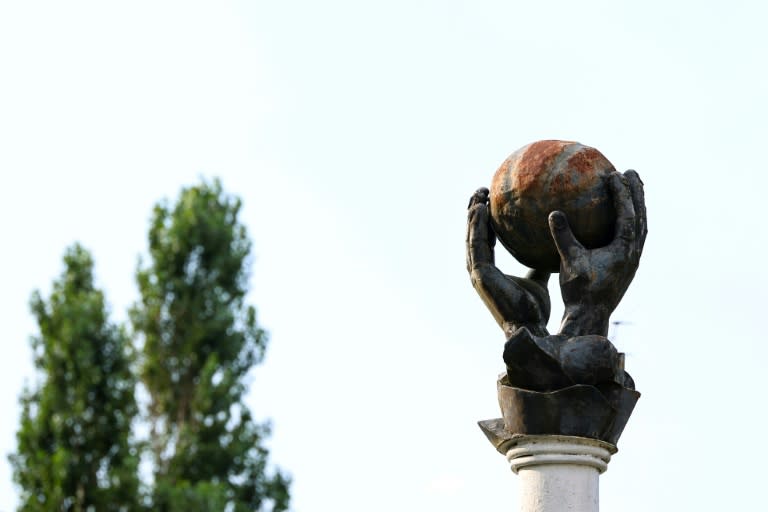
(573, 382)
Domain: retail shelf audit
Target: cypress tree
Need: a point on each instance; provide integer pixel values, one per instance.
(200, 340)
(74, 446)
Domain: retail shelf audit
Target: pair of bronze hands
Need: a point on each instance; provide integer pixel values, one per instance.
(592, 281)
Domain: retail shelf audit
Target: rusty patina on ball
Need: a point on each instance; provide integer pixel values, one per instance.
(543, 177)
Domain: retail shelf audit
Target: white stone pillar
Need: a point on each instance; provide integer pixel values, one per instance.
(559, 473)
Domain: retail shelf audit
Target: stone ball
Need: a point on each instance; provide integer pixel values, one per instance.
(540, 178)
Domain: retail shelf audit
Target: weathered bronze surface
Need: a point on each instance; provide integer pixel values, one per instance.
(554, 362)
(573, 382)
(578, 410)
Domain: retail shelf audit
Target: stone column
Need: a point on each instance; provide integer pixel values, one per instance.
(558, 473)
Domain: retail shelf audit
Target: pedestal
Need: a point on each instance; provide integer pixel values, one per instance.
(558, 473)
(559, 442)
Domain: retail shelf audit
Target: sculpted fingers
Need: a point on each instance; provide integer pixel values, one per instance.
(638, 201)
(479, 197)
(625, 210)
(566, 243)
(480, 238)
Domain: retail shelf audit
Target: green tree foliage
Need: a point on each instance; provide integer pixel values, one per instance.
(74, 448)
(200, 340)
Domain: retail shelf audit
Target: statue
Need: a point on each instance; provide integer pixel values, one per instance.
(563, 202)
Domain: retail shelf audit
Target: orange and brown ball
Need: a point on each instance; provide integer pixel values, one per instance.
(540, 178)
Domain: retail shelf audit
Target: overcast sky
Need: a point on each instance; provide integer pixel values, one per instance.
(355, 132)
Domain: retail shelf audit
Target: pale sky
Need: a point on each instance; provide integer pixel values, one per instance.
(355, 132)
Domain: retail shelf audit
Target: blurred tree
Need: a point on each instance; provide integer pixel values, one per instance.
(200, 341)
(74, 447)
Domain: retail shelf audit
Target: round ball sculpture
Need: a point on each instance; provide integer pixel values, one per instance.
(540, 178)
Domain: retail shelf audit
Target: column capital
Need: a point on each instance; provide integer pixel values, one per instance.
(525, 451)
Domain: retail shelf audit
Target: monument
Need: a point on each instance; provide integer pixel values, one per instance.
(565, 398)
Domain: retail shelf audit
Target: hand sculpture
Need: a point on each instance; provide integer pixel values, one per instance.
(513, 301)
(592, 282)
(574, 382)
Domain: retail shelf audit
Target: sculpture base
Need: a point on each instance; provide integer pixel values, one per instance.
(599, 412)
(559, 442)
